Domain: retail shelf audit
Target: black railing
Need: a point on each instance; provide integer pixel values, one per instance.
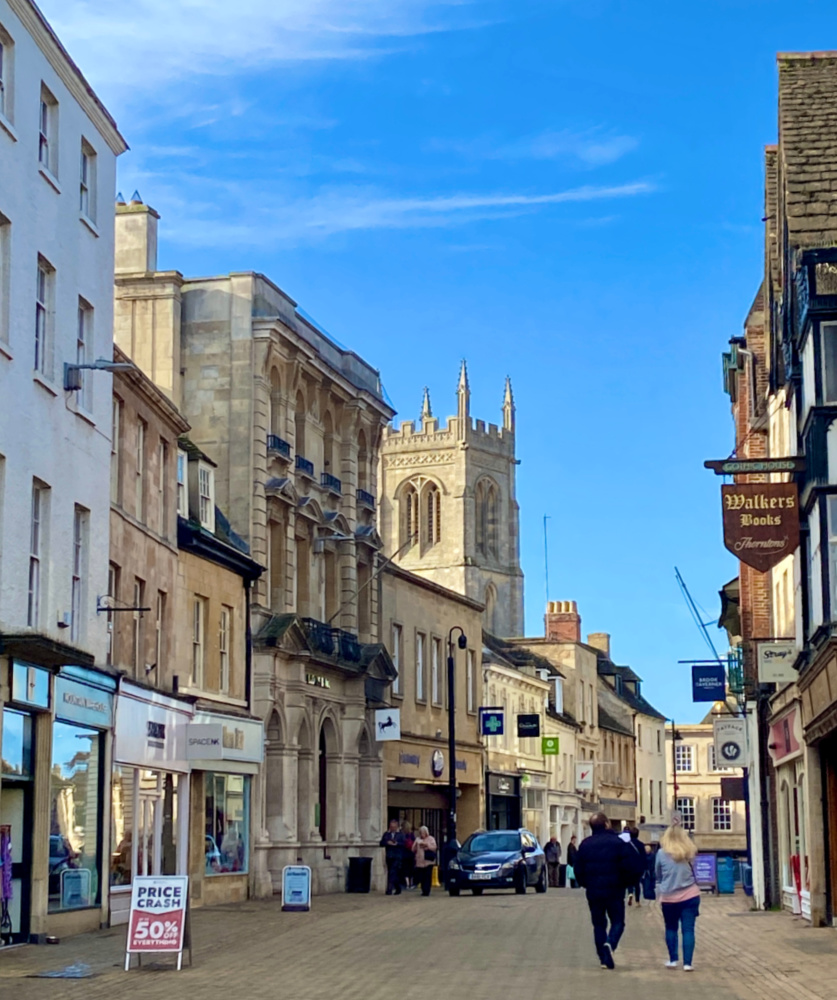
(278, 445)
(366, 498)
(331, 482)
(332, 641)
(304, 466)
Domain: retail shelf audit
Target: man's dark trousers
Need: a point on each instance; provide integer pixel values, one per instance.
(602, 909)
(394, 877)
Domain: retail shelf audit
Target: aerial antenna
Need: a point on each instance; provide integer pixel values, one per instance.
(545, 560)
(701, 624)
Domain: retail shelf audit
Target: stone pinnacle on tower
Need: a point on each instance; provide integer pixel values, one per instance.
(426, 409)
(463, 398)
(508, 406)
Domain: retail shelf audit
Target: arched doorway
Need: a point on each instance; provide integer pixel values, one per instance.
(274, 818)
(304, 784)
(328, 787)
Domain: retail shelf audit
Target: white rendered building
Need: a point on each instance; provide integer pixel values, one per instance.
(58, 149)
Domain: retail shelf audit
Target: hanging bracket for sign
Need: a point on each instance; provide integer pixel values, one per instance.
(754, 466)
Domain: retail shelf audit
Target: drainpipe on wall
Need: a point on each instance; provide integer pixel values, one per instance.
(248, 649)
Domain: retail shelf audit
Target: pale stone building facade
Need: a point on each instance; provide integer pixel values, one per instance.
(449, 509)
(293, 424)
(418, 616)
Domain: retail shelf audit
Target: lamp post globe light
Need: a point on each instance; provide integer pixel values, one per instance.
(452, 846)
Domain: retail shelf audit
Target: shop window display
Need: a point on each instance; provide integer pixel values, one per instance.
(227, 823)
(74, 817)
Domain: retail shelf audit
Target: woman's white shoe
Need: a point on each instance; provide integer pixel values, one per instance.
(688, 968)
(672, 965)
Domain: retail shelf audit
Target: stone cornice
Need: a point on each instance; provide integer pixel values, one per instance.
(71, 76)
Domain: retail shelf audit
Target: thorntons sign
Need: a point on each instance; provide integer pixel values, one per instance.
(761, 522)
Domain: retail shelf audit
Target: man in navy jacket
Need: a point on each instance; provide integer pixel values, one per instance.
(605, 866)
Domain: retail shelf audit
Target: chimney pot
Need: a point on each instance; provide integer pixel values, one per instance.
(562, 621)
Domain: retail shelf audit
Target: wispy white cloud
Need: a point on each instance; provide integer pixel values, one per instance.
(219, 213)
(140, 45)
(593, 147)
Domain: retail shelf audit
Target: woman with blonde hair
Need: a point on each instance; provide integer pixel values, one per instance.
(425, 850)
(679, 891)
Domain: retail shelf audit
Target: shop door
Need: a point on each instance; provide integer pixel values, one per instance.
(149, 823)
(16, 841)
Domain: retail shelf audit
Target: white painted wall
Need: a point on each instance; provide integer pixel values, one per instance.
(42, 434)
(651, 767)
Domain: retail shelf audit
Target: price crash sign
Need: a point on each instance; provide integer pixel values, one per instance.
(158, 915)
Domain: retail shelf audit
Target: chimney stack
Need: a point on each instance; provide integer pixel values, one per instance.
(600, 640)
(136, 237)
(562, 622)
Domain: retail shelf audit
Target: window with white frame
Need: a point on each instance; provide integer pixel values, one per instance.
(684, 757)
(44, 297)
(558, 683)
(116, 452)
(421, 640)
(721, 815)
(163, 487)
(182, 486)
(142, 429)
(206, 496)
(136, 627)
(5, 245)
(471, 680)
(159, 633)
(198, 641)
(395, 652)
(81, 518)
(37, 532)
(113, 593)
(84, 342)
(224, 643)
(436, 672)
(7, 77)
(832, 552)
(828, 332)
(686, 808)
(48, 131)
(87, 182)
(711, 759)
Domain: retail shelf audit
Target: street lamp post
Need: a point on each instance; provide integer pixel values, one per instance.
(452, 845)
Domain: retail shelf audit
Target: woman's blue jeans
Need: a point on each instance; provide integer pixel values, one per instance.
(683, 915)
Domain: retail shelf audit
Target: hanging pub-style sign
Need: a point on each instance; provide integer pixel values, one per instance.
(761, 522)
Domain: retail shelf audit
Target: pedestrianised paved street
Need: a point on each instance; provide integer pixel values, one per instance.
(492, 948)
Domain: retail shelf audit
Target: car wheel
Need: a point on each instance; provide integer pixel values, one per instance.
(520, 883)
(541, 885)
(477, 890)
(453, 890)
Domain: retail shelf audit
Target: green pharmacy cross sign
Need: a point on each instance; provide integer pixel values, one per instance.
(491, 721)
(549, 745)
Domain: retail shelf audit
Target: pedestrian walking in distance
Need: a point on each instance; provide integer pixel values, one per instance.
(408, 860)
(572, 854)
(635, 891)
(553, 860)
(425, 851)
(605, 867)
(393, 842)
(679, 892)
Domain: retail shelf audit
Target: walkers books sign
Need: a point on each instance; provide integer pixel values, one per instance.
(761, 522)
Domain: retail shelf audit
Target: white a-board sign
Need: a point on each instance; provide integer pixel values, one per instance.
(296, 887)
(158, 919)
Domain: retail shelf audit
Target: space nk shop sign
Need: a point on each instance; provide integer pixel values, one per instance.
(761, 522)
(157, 922)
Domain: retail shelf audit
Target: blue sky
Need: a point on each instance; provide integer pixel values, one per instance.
(570, 193)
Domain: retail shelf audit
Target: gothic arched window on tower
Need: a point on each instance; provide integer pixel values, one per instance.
(409, 516)
(490, 613)
(432, 515)
(491, 518)
(479, 517)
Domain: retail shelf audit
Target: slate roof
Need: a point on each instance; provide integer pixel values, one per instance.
(607, 668)
(807, 137)
(606, 721)
(518, 656)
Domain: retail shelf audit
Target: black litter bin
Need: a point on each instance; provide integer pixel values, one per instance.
(360, 875)
(562, 876)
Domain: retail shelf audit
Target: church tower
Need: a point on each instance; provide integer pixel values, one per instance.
(448, 505)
